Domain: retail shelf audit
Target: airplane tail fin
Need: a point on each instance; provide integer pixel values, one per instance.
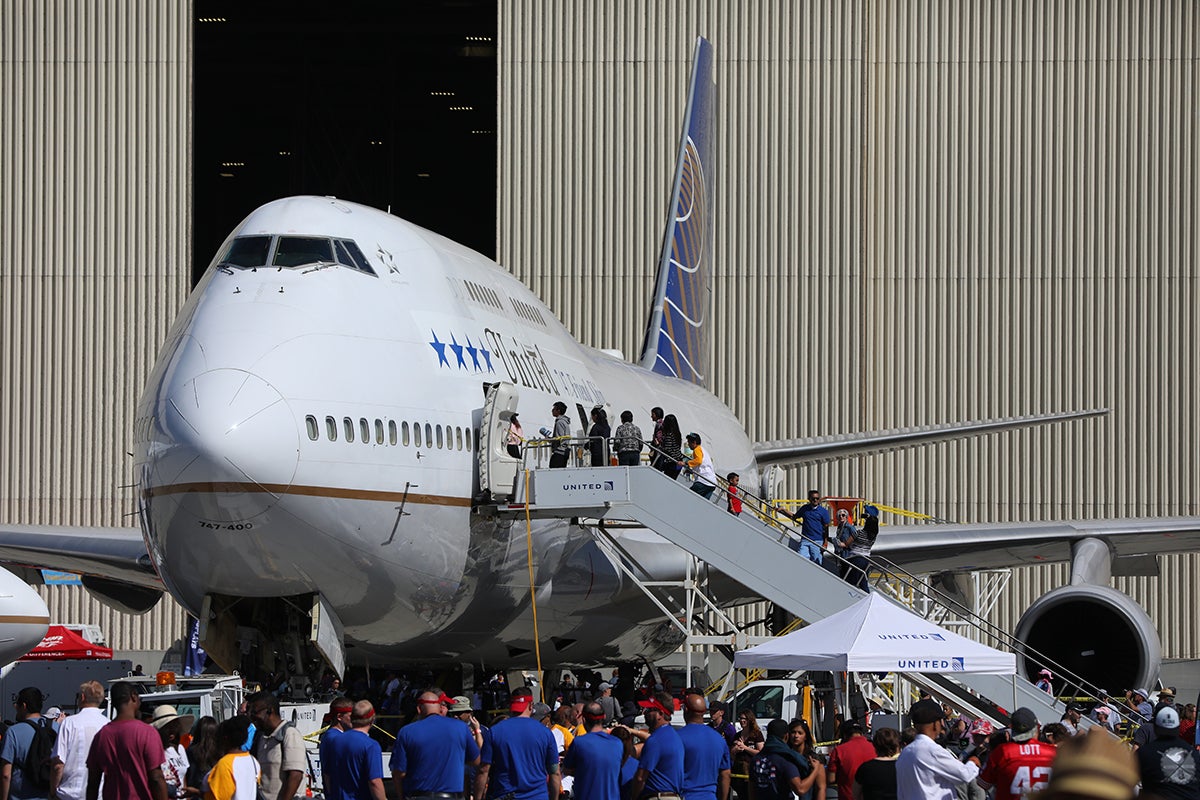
(676, 342)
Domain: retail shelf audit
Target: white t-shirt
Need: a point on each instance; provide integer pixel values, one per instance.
(75, 734)
(175, 769)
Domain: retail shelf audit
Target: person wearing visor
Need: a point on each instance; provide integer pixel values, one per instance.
(660, 768)
(520, 760)
(355, 771)
(430, 756)
(925, 769)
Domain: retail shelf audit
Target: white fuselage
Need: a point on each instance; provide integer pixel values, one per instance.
(313, 429)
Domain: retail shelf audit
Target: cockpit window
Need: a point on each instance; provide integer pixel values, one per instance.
(247, 251)
(296, 251)
(350, 255)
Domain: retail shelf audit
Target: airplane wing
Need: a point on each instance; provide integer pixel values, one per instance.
(962, 548)
(115, 554)
(828, 448)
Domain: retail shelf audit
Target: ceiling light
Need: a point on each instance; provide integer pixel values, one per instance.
(462, 108)
(233, 163)
(441, 94)
(479, 38)
(211, 19)
(285, 152)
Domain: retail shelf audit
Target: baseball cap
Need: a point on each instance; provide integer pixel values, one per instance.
(924, 712)
(459, 704)
(540, 711)
(1074, 707)
(1023, 724)
(1167, 719)
(519, 703)
(53, 712)
(604, 687)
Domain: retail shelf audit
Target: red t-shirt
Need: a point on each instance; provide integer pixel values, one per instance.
(845, 760)
(1018, 768)
(127, 751)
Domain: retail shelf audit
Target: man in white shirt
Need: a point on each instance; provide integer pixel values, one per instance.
(925, 769)
(75, 734)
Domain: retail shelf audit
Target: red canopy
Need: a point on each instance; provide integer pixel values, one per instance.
(63, 643)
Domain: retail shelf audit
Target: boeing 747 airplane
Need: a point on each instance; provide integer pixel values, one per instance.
(320, 426)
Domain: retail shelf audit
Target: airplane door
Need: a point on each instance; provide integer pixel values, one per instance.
(497, 469)
(772, 483)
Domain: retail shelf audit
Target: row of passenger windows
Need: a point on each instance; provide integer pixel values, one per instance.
(528, 312)
(482, 294)
(443, 437)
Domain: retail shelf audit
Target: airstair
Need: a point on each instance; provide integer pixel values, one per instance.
(752, 551)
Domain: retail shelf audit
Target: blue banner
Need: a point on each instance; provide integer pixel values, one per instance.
(195, 659)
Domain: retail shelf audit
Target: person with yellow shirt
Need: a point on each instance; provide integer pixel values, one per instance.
(701, 467)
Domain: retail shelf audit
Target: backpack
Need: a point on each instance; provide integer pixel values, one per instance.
(39, 759)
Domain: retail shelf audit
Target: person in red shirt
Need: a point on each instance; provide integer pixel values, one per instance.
(734, 505)
(1021, 765)
(127, 753)
(854, 751)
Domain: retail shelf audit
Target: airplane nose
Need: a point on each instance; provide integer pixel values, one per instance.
(24, 617)
(228, 436)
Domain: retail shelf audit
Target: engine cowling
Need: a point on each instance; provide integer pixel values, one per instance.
(1094, 631)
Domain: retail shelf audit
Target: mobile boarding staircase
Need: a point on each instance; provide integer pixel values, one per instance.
(754, 552)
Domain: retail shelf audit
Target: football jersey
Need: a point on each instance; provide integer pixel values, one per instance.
(1017, 769)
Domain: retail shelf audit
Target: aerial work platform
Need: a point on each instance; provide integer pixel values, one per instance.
(749, 550)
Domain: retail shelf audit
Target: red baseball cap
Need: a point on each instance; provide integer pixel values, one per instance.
(520, 703)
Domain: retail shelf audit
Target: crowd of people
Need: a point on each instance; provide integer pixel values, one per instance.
(670, 451)
(588, 747)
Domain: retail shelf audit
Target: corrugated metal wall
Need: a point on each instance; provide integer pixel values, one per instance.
(929, 212)
(94, 230)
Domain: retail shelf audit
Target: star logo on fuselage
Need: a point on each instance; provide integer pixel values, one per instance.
(440, 348)
(458, 352)
(461, 353)
(473, 352)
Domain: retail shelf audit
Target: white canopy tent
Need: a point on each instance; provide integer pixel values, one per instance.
(877, 635)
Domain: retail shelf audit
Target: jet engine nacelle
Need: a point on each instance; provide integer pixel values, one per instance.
(1095, 632)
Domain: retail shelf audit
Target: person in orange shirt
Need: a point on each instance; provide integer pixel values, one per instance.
(236, 774)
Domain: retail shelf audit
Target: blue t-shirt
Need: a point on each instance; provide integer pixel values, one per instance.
(327, 738)
(595, 761)
(349, 762)
(772, 777)
(814, 522)
(13, 749)
(522, 752)
(628, 771)
(705, 754)
(662, 757)
(433, 753)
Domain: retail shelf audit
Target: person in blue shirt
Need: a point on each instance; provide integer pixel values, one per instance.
(595, 759)
(814, 527)
(660, 770)
(431, 755)
(354, 769)
(340, 711)
(706, 764)
(521, 758)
